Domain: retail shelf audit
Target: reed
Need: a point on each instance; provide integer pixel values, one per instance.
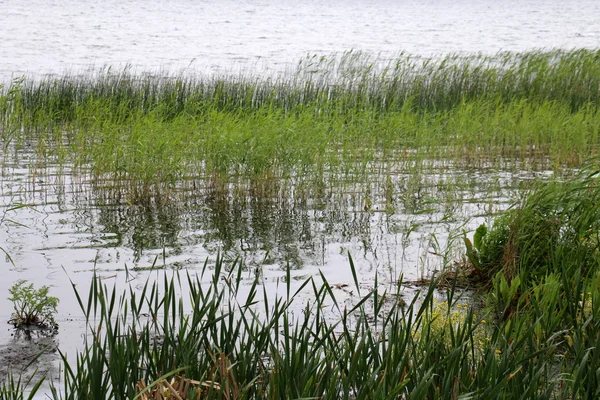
(203, 335)
(328, 85)
(15, 387)
(540, 262)
(148, 132)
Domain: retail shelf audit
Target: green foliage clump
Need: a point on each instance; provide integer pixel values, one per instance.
(492, 243)
(555, 229)
(486, 251)
(33, 307)
(541, 259)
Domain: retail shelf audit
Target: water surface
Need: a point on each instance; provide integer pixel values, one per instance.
(38, 36)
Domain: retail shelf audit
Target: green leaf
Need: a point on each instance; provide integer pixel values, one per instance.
(472, 255)
(479, 235)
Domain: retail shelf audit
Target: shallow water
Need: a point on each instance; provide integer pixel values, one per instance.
(71, 228)
(39, 37)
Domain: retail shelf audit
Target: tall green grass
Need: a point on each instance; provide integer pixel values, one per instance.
(544, 250)
(236, 345)
(328, 85)
(331, 116)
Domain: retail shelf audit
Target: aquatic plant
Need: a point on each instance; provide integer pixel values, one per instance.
(541, 260)
(19, 389)
(333, 117)
(555, 222)
(33, 307)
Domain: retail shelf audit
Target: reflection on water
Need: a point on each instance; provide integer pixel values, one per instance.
(282, 230)
(384, 220)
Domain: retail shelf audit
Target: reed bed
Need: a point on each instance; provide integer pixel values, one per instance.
(330, 115)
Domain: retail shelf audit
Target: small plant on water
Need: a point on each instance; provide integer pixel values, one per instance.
(33, 307)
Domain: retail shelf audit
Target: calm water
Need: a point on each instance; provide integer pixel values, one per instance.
(50, 36)
(70, 228)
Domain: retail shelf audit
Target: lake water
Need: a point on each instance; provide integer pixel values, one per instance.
(69, 228)
(51, 36)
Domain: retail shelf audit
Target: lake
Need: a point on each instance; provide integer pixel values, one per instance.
(40, 37)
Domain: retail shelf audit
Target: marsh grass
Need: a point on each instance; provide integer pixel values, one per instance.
(228, 338)
(16, 388)
(335, 115)
(554, 221)
(540, 261)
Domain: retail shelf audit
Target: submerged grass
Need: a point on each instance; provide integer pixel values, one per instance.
(332, 115)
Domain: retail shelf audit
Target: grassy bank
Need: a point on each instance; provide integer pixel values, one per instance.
(331, 117)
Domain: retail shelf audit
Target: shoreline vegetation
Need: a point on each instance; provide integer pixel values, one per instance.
(530, 325)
